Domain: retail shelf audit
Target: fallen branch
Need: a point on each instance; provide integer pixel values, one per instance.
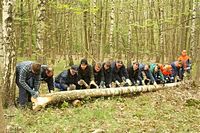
(44, 100)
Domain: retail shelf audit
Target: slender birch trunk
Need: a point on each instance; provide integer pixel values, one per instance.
(9, 51)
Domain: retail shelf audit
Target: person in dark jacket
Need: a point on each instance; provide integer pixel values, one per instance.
(177, 70)
(119, 73)
(68, 79)
(98, 75)
(47, 76)
(28, 81)
(145, 75)
(107, 73)
(133, 72)
(85, 74)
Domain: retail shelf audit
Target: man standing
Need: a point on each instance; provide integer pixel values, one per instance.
(28, 80)
(185, 60)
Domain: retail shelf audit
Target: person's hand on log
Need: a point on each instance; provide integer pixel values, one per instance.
(117, 83)
(71, 87)
(128, 81)
(102, 84)
(154, 83)
(94, 84)
(34, 93)
(81, 82)
(146, 81)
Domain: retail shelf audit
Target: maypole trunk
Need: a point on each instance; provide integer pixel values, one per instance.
(81, 94)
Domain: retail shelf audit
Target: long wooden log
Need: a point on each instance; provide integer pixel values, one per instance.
(44, 100)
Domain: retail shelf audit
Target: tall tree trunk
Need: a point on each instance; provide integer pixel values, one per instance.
(130, 21)
(161, 36)
(41, 30)
(30, 37)
(2, 123)
(104, 38)
(112, 20)
(85, 13)
(193, 29)
(9, 50)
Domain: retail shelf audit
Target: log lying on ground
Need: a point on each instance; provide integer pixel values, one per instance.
(56, 97)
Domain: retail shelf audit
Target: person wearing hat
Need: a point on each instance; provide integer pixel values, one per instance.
(28, 75)
(68, 79)
(107, 73)
(47, 76)
(133, 72)
(98, 75)
(157, 74)
(85, 73)
(119, 74)
(177, 70)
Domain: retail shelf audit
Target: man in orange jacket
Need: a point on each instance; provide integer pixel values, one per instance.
(186, 61)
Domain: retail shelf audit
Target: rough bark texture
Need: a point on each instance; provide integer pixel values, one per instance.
(2, 123)
(9, 51)
(81, 94)
(41, 29)
(112, 18)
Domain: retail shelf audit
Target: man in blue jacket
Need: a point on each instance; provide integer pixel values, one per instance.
(28, 80)
(119, 74)
(68, 79)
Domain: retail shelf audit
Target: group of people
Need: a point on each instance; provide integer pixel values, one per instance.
(100, 75)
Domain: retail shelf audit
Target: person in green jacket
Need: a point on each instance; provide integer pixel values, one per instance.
(157, 74)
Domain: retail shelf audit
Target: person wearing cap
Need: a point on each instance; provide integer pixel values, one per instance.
(98, 75)
(28, 75)
(107, 73)
(68, 79)
(47, 76)
(177, 70)
(157, 74)
(185, 60)
(119, 74)
(145, 75)
(133, 72)
(85, 74)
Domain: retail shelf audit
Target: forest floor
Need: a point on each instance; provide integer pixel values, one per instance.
(169, 110)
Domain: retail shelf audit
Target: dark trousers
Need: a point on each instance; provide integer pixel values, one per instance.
(60, 86)
(24, 95)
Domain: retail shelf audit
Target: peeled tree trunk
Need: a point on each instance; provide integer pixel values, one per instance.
(56, 97)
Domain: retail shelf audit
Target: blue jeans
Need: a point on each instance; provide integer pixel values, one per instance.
(60, 86)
